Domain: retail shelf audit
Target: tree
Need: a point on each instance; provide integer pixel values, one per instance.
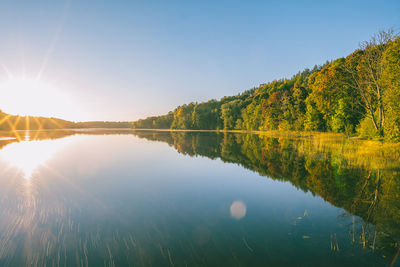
(390, 65)
(183, 117)
(314, 119)
(230, 113)
(366, 76)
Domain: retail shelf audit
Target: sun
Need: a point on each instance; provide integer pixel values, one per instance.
(25, 96)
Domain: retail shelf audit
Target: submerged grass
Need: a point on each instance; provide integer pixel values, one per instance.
(356, 151)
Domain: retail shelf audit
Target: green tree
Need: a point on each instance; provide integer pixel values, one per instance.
(366, 77)
(390, 65)
(314, 120)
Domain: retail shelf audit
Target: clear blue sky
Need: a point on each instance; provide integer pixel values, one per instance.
(123, 60)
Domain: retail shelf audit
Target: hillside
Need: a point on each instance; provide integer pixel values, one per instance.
(12, 122)
(355, 94)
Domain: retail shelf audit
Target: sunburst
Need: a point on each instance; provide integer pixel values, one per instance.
(25, 96)
(28, 156)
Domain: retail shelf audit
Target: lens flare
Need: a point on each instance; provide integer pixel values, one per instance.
(238, 209)
(25, 96)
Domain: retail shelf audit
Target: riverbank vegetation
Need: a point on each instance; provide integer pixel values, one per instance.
(355, 95)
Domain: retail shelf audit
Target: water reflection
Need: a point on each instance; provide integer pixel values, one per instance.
(110, 198)
(27, 156)
(337, 169)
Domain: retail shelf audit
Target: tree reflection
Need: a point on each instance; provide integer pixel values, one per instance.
(338, 170)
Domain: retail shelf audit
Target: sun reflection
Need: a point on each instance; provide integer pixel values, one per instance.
(29, 155)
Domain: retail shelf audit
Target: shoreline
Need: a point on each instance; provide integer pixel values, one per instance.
(271, 132)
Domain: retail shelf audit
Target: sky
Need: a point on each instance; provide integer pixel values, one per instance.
(125, 60)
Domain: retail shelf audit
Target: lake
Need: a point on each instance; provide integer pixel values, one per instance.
(123, 198)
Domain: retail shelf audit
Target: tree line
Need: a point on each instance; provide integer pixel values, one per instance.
(355, 94)
(14, 122)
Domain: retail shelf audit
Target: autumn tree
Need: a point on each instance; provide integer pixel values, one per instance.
(366, 77)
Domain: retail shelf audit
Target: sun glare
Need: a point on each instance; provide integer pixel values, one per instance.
(27, 156)
(24, 96)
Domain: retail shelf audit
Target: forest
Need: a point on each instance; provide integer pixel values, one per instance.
(356, 95)
(14, 122)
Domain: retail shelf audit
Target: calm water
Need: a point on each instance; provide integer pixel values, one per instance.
(118, 198)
